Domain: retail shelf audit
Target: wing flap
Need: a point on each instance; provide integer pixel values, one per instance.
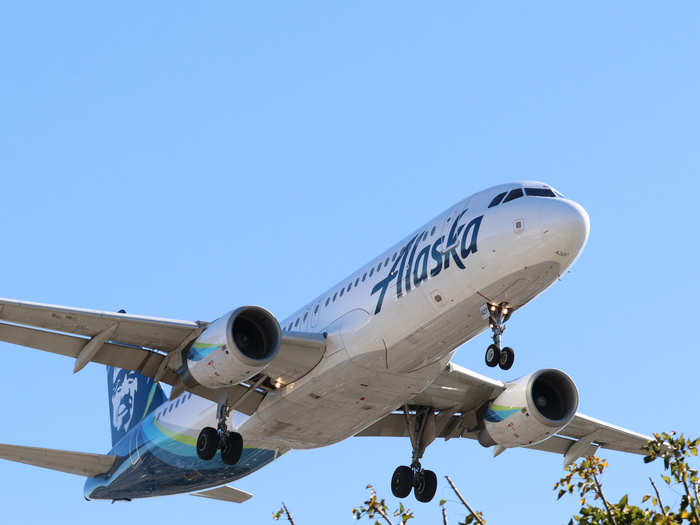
(606, 435)
(225, 493)
(110, 354)
(149, 332)
(80, 463)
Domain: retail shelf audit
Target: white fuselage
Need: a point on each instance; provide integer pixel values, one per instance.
(394, 324)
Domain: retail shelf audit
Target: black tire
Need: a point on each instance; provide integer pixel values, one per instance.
(507, 358)
(493, 355)
(426, 486)
(402, 482)
(231, 448)
(207, 443)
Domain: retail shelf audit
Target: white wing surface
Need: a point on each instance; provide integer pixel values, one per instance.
(80, 463)
(458, 393)
(150, 345)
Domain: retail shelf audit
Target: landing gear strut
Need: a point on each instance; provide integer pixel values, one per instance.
(421, 430)
(495, 355)
(211, 439)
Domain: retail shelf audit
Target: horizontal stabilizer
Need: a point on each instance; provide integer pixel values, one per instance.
(225, 493)
(80, 463)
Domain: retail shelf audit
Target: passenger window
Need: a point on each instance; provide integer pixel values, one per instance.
(328, 300)
(371, 272)
(515, 194)
(364, 277)
(432, 232)
(290, 326)
(357, 281)
(305, 316)
(386, 262)
(393, 257)
(334, 296)
(497, 199)
(349, 286)
(342, 290)
(316, 309)
(539, 192)
(297, 323)
(379, 266)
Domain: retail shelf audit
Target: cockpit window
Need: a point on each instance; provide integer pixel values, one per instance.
(539, 192)
(497, 199)
(514, 194)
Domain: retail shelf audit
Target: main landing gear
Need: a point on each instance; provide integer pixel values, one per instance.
(421, 430)
(495, 355)
(211, 439)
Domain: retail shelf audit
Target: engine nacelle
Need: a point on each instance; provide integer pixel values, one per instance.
(232, 349)
(530, 410)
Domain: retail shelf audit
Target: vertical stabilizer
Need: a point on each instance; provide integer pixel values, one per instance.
(132, 396)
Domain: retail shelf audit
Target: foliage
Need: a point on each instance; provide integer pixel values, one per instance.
(374, 506)
(583, 478)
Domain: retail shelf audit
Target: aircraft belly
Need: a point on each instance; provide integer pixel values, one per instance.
(377, 364)
(333, 406)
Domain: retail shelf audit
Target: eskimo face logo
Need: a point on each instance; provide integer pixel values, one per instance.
(411, 266)
(123, 397)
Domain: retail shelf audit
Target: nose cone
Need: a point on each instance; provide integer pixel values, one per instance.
(566, 227)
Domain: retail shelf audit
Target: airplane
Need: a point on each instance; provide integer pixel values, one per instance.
(369, 357)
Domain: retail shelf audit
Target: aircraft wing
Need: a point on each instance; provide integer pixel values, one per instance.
(458, 393)
(80, 463)
(225, 493)
(150, 345)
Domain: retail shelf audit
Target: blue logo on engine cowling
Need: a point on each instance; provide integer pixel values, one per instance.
(411, 265)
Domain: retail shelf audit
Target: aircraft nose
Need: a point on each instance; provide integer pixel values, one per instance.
(566, 226)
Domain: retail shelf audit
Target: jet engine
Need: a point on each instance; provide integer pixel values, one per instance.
(529, 410)
(232, 349)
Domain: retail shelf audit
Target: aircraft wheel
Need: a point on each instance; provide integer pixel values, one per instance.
(507, 358)
(493, 355)
(207, 443)
(402, 482)
(231, 448)
(426, 486)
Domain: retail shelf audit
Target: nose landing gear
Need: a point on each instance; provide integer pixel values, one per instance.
(421, 430)
(495, 355)
(211, 439)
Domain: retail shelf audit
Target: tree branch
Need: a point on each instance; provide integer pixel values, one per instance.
(693, 507)
(658, 497)
(471, 511)
(289, 515)
(444, 515)
(605, 501)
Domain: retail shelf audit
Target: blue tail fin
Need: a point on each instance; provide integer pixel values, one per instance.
(131, 398)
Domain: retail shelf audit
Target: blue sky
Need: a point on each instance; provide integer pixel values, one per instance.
(178, 161)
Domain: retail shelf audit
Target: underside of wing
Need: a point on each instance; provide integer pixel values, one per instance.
(150, 345)
(80, 463)
(225, 493)
(458, 398)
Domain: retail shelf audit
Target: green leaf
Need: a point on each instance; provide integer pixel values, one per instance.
(623, 501)
(666, 479)
(646, 498)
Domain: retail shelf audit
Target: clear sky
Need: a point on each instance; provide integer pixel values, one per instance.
(179, 160)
